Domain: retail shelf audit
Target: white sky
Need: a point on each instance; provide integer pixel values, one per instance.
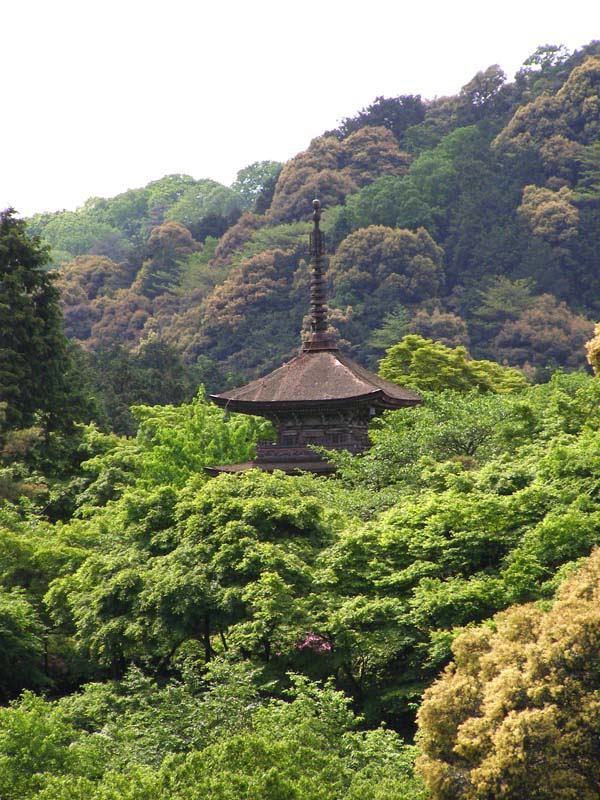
(99, 97)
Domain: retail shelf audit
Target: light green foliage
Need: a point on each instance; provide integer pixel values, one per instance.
(175, 443)
(286, 236)
(409, 448)
(491, 499)
(36, 741)
(166, 191)
(228, 566)
(198, 273)
(394, 327)
(145, 722)
(431, 366)
(255, 184)
(77, 233)
(434, 175)
(303, 749)
(503, 299)
(126, 211)
(110, 742)
(391, 201)
(203, 199)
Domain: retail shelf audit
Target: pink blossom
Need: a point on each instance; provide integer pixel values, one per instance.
(315, 642)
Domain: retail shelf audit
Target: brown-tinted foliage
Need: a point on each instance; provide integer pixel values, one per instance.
(80, 282)
(251, 317)
(561, 157)
(170, 242)
(237, 236)
(573, 112)
(121, 318)
(332, 169)
(372, 152)
(253, 282)
(548, 214)
(94, 275)
(168, 245)
(517, 714)
(440, 326)
(398, 265)
(545, 334)
(182, 327)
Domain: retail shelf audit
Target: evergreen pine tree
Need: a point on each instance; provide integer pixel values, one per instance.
(36, 374)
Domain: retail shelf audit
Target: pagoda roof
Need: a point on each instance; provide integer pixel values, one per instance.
(316, 377)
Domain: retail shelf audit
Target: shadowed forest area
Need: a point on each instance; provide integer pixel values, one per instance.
(423, 624)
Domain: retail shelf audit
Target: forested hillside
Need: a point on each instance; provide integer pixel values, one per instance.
(472, 219)
(425, 623)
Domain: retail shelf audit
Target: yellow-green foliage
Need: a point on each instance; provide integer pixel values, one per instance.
(548, 214)
(431, 366)
(518, 712)
(593, 350)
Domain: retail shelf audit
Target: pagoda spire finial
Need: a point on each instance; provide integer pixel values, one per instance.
(319, 338)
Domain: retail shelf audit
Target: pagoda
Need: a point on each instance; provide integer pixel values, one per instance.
(319, 398)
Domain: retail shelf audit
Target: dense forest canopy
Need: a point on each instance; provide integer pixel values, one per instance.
(422, 625)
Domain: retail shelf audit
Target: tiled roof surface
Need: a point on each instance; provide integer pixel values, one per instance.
(325, 375)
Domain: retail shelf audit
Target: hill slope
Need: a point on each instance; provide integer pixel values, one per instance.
(473, 219)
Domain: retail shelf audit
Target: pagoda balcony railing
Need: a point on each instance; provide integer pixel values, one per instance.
(278, 452)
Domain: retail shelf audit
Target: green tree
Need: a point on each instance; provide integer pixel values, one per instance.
(394, 113)
(233, 575)
(391, 201)
(501, 300)
(75, 233)
(137, 741)
(256, 183)
(21, 643)
(432, 366)
(207, 209)
(394, 327)
(36, 378)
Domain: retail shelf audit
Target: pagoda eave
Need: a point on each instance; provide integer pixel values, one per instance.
(379, 399)
(315, 467)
